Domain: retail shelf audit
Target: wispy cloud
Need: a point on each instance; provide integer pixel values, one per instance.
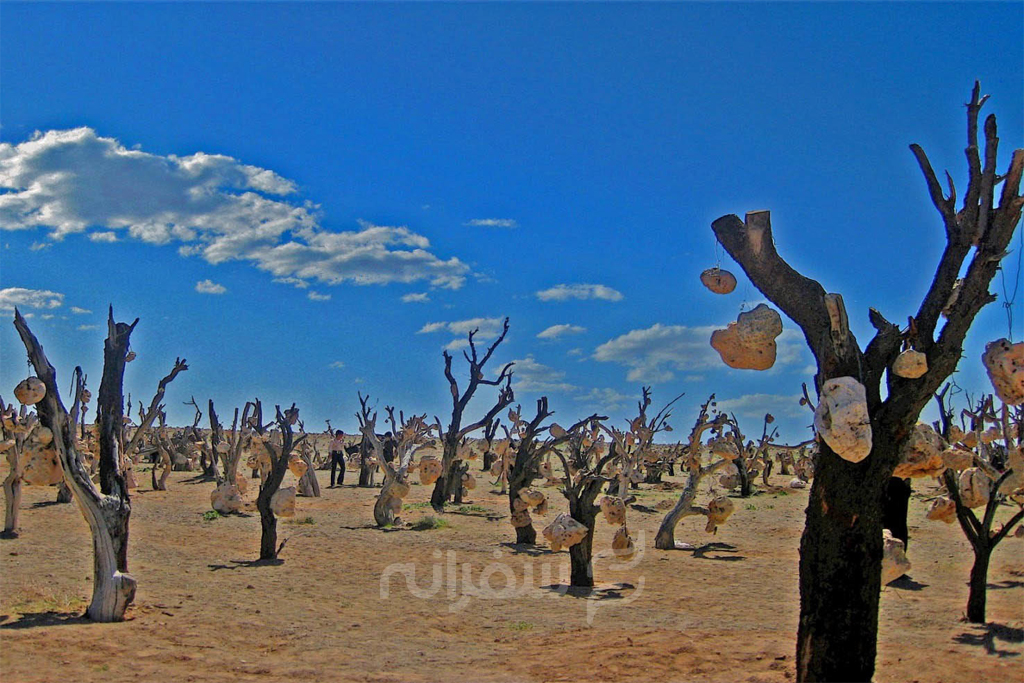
(337, 365)
(492, 223)
(605, 399)
(415, 298)
(86, 328)
(210, 287)
(107, 237)
(757, 405)
(317, 296)
(529, 375)
(556, 331)
(213, 206)
(39, 246)
(487, 328)
(656, 353)
(80, 311)
(582, 292)
(29, 298)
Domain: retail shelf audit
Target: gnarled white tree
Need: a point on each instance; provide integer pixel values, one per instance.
(108, 509)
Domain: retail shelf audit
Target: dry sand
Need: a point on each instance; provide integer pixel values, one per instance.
(727, 612)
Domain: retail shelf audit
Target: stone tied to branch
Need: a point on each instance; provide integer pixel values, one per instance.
(1005, 365)
(749, 343)
(30, 391)
(718, 281)
(841, 418)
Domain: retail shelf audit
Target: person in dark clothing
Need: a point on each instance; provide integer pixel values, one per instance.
(894, 509)
(388, 446)
(337, 451)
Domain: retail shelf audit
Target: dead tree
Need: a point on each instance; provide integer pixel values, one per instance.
(367, 462)
(584, 469)
(695, 471)
(410, 435)
(636, 444)
(308, 484)
(207, 454)
(268, 502)
(530, 449)
(15, 428)
(841, 547)
(449, 484)
(984, 485)
(108, 509)
(490, 431)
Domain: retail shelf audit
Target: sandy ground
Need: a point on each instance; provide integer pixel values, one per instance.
(726, 612)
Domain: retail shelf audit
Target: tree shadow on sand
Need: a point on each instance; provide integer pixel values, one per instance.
(905, 583)
(986, 635)
(607, 591)
(48, 618)
(246, 564)
(525, 549)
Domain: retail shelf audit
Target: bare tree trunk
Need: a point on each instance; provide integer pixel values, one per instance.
(584, 511)
(308, 484)
(107, 510)
(979, 584)
(12, 495)
(842, 547)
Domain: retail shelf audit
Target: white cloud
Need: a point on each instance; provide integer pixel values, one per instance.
(317, 296)
(337, 365)
(211, 205)
(80, 311)
(556, 331)
(210, 287)
(487, 328)
(415, 298)
(492, 223)
(529, 375)
(606, 399)
(575, 352)
(85, 328)
(566, 292)
(294, 281)
(654, 354)
(756, 405)
(106, 237)
(39, 246)
(29, 298)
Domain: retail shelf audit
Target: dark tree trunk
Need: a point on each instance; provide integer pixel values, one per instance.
(268, 535)
(653, 474)
(438, 496)
(583, 510)
(894, 509)
(840, 570)
(979, 585)
(526, 535)
(746, 485)
(489, 459)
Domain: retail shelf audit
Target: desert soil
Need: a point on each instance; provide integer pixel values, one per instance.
(726, 611)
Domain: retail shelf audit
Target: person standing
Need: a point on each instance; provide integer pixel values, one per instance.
(337, 451)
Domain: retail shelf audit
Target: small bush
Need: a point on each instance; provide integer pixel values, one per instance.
(430, 522)
(296, 520)
(211, 515)
(520, 625)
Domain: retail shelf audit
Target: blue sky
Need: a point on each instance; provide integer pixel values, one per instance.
(310, 200)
